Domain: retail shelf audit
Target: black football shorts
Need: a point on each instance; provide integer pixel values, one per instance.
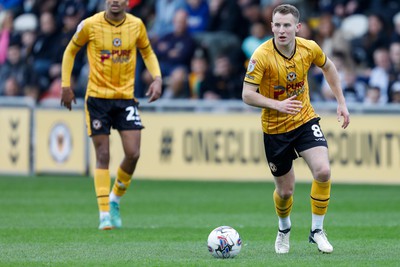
(120, 114)
(282, 149)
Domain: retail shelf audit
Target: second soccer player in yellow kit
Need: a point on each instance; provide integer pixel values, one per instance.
(112, 37)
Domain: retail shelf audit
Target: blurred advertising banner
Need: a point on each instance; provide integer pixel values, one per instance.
(367, 151)
(60, 142)
(15, 140)
(230, 147)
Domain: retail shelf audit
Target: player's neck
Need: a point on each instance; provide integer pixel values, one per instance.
(115, 17)
(287, 50)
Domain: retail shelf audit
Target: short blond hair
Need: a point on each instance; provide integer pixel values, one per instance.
(287, 9)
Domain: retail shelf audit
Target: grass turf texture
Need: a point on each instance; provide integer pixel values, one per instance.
(52, 221)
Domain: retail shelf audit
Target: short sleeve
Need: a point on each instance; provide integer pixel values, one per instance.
(255, 69)
(319, 55)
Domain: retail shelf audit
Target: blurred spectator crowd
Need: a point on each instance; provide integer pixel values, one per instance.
(203, 46)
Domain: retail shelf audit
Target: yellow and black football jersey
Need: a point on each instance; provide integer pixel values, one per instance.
(111, 51)
(279, 77)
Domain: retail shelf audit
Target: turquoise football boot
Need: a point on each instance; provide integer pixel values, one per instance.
(105, 223)
(115, 215)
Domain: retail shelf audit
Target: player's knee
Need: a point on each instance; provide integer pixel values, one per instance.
(323, 174)
(285, 193)
(133, 156)
(103, 158)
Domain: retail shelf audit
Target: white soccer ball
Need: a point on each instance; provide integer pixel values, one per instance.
(224, 242)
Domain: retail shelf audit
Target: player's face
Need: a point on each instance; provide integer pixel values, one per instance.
(284, 28)
(116, 6)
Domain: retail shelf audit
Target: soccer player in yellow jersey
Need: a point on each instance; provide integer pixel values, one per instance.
(112, 38)
(276, 81)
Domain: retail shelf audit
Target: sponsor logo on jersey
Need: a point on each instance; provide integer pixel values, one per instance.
(295, 88)
(291, 89)
(117, 56)
(278, 90)
(105, 54)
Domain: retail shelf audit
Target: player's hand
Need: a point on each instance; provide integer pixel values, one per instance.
(67, 96)
(154, 91)
(289, 105)
(343, 112)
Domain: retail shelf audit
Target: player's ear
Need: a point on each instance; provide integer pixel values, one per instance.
(298, 27)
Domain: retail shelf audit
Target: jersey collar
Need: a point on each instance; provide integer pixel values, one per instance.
(119, 23)
(279, 52)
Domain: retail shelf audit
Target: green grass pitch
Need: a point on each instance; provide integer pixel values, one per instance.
(52, 221)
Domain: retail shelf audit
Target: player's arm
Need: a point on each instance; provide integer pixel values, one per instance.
(332, 77)
(152, 65)
(80, 38)
(151, 62)
(251, 97)
(67, 95)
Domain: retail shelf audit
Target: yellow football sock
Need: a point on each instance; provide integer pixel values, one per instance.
(121, 183)
(102, 183)
(320, 194)
(283, 207)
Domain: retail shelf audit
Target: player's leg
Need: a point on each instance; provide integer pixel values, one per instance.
(280, 155)
(283, 200)
(98, 126)
(318, 162)
(127, 121)
(102, 180)
(131, 145)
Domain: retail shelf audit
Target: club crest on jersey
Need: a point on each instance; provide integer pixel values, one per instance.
(252, 65)
(291, 76)
(117, 42)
